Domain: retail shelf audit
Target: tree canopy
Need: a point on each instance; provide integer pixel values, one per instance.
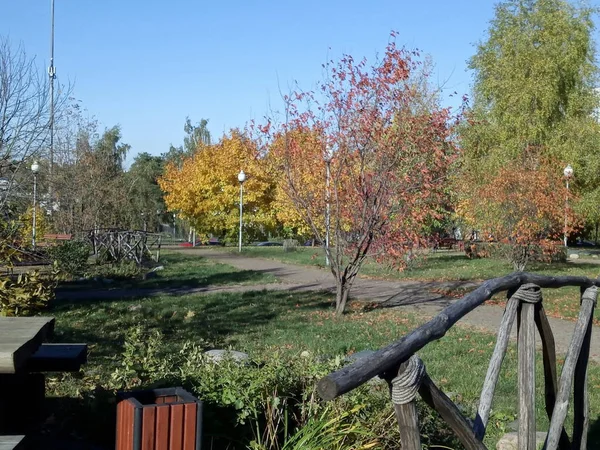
(534, 101)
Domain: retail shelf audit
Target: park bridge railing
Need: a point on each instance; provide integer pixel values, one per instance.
(406, 375)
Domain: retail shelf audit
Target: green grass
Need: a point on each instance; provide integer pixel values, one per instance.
(183, 270)
(440, 266)
(451, 266)
(263, 321)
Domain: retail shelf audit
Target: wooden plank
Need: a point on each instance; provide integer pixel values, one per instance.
(566, 378)
(526, 376)
(120, 424)
(550, 378)
(437, 400)
(407, 418)
(189, 426)
(128, 425)
(388, 358)
(148, 427)
(176, 428)
(581, 420)
(57, 358)
(20, 337)
(491, 379)
(11, 442)
(162, 426)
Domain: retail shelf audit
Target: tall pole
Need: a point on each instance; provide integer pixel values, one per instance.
(241, 212)
(52, 75)
(34, 210)
(327, 211)
(241, 179)
(568, 172)
(566, 211)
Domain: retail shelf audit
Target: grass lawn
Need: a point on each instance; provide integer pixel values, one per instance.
(440, 266)
(261, 322)
(182, 270)
(449, 266)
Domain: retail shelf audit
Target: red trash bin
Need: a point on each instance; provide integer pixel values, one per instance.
(159, 419)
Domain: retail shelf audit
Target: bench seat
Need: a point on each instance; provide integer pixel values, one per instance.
(57, 358)
(11, 442)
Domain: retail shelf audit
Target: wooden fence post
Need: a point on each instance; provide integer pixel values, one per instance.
(588, 301)
(581, 418)
(489, 385)
(526, 370)
(403, 389)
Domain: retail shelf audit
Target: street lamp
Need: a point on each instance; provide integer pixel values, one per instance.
(241, 179)
(35, 168)
(568, 172)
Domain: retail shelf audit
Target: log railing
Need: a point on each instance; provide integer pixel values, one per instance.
(406, 375)
(122, 245)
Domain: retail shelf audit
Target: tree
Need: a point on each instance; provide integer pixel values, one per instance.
(534, 100)
(205, 189)
(24, 120)
(388, 152)
(196, 135)
(147, 205)
(522, 205)
(91, 187)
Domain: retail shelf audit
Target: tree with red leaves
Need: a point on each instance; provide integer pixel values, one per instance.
(372, 147)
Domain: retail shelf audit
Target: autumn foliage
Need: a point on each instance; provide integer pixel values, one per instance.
(205, 190)
(523, 204)
(389, 149)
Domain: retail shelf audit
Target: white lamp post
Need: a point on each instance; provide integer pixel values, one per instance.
(241, 179)
(568, 172)
(35, 168)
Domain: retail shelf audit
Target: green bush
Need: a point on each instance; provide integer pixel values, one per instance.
(269, 402)
(543, 251)
(71, 257)
(26, 294)
(125, 270)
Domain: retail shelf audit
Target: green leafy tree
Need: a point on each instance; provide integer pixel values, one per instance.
(534, 97)
(196, 135)
(146, 197)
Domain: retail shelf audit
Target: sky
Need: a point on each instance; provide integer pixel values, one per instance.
(147, 64)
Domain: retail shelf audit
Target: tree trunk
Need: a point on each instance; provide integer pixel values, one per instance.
(341, 294)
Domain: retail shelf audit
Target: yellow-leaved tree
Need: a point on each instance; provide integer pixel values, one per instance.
(306, 149)
(205, 189)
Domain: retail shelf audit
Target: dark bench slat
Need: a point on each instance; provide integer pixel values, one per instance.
(58, 358)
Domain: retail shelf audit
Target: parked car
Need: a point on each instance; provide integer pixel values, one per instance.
(268, 244)
(214, 241)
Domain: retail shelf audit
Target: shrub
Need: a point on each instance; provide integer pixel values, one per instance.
(544, 251)
(71, 257)
(26, 295)
(124, 270)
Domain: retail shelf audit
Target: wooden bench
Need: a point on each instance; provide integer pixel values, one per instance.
(11, 442)
(448, 244)
(57, 358)
(53, 238)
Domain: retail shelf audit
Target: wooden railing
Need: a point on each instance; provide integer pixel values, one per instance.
(406, 375)
(122, 245)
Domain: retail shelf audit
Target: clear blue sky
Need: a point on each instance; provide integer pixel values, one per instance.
(146, 65)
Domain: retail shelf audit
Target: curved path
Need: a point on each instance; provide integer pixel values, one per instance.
(412, 296)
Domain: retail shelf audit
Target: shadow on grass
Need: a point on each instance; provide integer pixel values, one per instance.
(171, 285)
(209, 319)
(179, 270)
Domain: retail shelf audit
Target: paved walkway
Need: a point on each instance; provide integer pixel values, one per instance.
(412, 296)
